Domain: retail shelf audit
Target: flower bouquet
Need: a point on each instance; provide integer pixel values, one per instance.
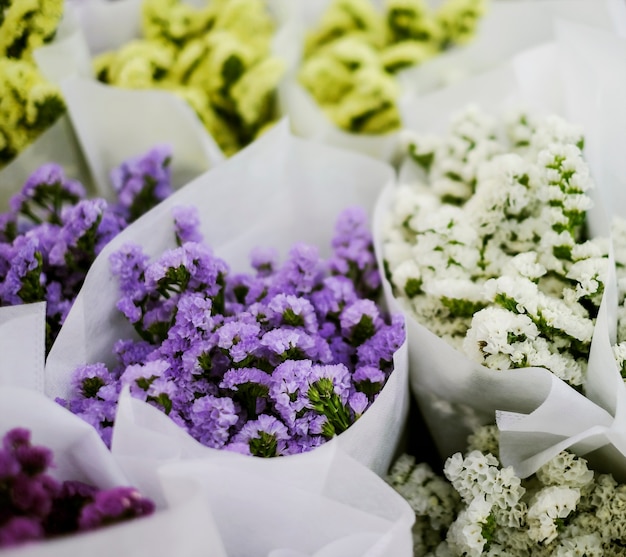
(315, 360)
(64, 493)
(484, 508)
(214, 94)
(528, 265)
(345, 91)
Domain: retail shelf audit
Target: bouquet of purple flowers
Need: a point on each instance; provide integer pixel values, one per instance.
(268, 363)
(36, 506)
(53, 232)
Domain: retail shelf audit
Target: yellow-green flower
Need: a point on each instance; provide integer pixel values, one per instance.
(26, 25)
(216, 57)
(350, 57)
(28, 105)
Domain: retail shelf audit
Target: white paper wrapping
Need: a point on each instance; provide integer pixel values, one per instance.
(539, 414)
(320, 503)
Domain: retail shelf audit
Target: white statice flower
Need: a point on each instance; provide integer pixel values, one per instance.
(496, 335)
(619, 353)
(520, 126)
(406, 277)
(549, 505)
(565, 469)
(525, 265)
(589, 545)
(432, 498)
(465, 536)
(501, 206)
(555, 130)
(564, 509)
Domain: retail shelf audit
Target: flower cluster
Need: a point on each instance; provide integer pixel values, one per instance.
(563, 509)
(36, 506)
(351, 56)
(269, 363)
(52, 232)
(26, 25)
(28, 103)
(217, 58)
(486, 246)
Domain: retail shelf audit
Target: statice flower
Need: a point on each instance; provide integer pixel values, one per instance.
(53, 233)
(481, 507)
(487, 246)
(143, 181)
(36, 506)
(269, 363)
(216, 57)
(352, 54)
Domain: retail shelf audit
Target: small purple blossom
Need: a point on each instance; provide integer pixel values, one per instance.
(186, 224)
(212, 418)
(142, 182)
(266, 436)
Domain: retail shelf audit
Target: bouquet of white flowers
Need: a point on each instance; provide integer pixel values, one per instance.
(494, 242)
(486, 509)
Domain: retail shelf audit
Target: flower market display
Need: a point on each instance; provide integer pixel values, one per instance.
(272, 261)
(485, 509)
(217, 58)
(35, 505)
(29, 103)
(53, 232)
(270, 363)
(487, 248)
(352, 54)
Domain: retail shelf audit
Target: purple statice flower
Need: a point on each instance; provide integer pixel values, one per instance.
(131, 352)
(293, 311)
(250, 387)
(354, 252)
(186, 224)
(23, 282)
(328, 391)
(243, 292)
(369, 380)
(139, 376)
(358, 402)
(288, 343)
(286, 389)
(212, 419)
(264, 261)
(302, 271)
(52, 234)
(128, 264)
(76, 241)
(379, 349)
(142, 182)
(37, 506)
(336, 292)
(88, 380)
(359, 321)
(267, 363)
(114, 505)
(266, 436)
(45, 192)
(240, 338)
